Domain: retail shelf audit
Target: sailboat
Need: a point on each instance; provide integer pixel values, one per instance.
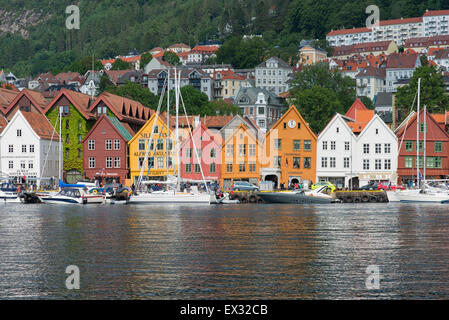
(171, 193)
(424, 192)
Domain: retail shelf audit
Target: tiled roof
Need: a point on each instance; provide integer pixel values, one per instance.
(115, 74)
(6, 97)
(41, 125)
(397, 61)
(400, 21)
(363, 117)
(348, 31)
(228, 75)
(79, 100)
(120, 128)
(442, 54)
(356, 107)
(436, 13)
(68, 76)
(125, 109)
(185, 72)
(216, 121)
(36, 98)
(281, 63)
(427, 41)
(179, 45)
(372, 72)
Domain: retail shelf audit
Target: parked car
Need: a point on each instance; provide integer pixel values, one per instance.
(243, 186)
(386, 185)
(370, 186)
(324, 183)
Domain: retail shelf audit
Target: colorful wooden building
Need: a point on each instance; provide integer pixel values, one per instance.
(289, 153)
(105, 148)
(155, 167)
(411, 151)
(208, 146)
(241, 157)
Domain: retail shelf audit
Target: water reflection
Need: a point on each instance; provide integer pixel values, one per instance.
(245, 251)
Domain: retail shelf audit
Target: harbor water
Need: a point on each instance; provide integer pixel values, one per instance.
(244, 251)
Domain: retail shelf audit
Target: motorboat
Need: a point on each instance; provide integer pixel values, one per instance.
(170, 196)
(8, 193)
(319, 195)
(71, 196)
(426, 194)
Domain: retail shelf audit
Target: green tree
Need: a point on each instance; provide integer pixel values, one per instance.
(145, 59)
(119, 64)
(135, 92)
(171, 58)
(222, 108)
(106, 84)
(367, 102)
(84, 65)
(432, 91)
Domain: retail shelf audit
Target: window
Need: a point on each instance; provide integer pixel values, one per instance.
(296, 145)
(141, 145)
(347, 145)
(420, 146)
(19, 132)
(378, 148)
(22, 165)
(408, 145)
(423, 127)
(324, 145)
(188, 168)
(324, 162)
(387, 148)
(212, 168)
(285, 125)
(67, 124)
(438, 162)
(346, 162)
(10, 148)
(141, 162)
(230, 150)
(170, 162)
(91, 144)
(109, 162)
(377, 164)
(117, 162)
(366, 148)
(156, 129)
(24, 148)
(438, 146)
(332, 145)
(307, 162)
(197, 168)
(160, 144)
(242, 149)
(365, 164)
(307, 145)
(229, 167)
(338, 129)
(11, 164)
(332, 162)
(91, 163)
(252, 150)
(242, 167)
(277, 144)
(30, 165)
(408, 162)
(419, 162)
(296, 162)
(387, 164)
(67, 139)
(252, 167)
(189, 152)
(116, 144)
(160, 162)
(108, 144)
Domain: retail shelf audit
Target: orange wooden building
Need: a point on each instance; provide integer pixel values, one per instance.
(289, 151)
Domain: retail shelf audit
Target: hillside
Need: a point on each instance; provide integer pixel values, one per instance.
(33, 37)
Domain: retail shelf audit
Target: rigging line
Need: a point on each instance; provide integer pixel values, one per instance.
(147, 151)
(405, 129)
(193, 141)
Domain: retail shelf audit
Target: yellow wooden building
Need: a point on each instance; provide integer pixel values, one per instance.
(157, 156)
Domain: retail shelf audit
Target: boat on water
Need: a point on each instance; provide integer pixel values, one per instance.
(8, 193)
(71, 196)
(318, 195)
(426, 194)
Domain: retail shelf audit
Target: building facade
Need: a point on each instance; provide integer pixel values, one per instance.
(273, 75)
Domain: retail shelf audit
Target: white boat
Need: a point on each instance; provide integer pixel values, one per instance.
(424, 195)
(319, 195)
(8, 193)
(172, 193)
(71, 196)
(397, 195)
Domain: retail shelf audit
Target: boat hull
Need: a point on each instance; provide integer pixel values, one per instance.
(149, 198)
(292, 197)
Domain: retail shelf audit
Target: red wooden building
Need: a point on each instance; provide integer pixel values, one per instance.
(208, 146)
(437, 149)
(106, 150)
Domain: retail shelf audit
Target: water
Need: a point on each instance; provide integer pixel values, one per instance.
(225, 252)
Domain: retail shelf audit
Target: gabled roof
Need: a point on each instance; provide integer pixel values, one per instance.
(281, 63)
(6, 97)
(79, 100)
(245, 128)
(114, 75)
(124, 109)
(115, 124)
(372, 72)
(147, 124)
(282, 119)
(397, 61)
(40, 125)
(412, 119)
(374, 119)
(204, 130)
(36, 98)
(337, 117)
(356, 106)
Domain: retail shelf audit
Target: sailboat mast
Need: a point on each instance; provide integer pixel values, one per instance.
(168, 120)
(425, 131)
(60, 143)
(177, 126)
(417, 134)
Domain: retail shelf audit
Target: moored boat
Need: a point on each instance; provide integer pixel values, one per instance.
(299, 197)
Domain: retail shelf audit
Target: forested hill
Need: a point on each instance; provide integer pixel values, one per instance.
(33, 37)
